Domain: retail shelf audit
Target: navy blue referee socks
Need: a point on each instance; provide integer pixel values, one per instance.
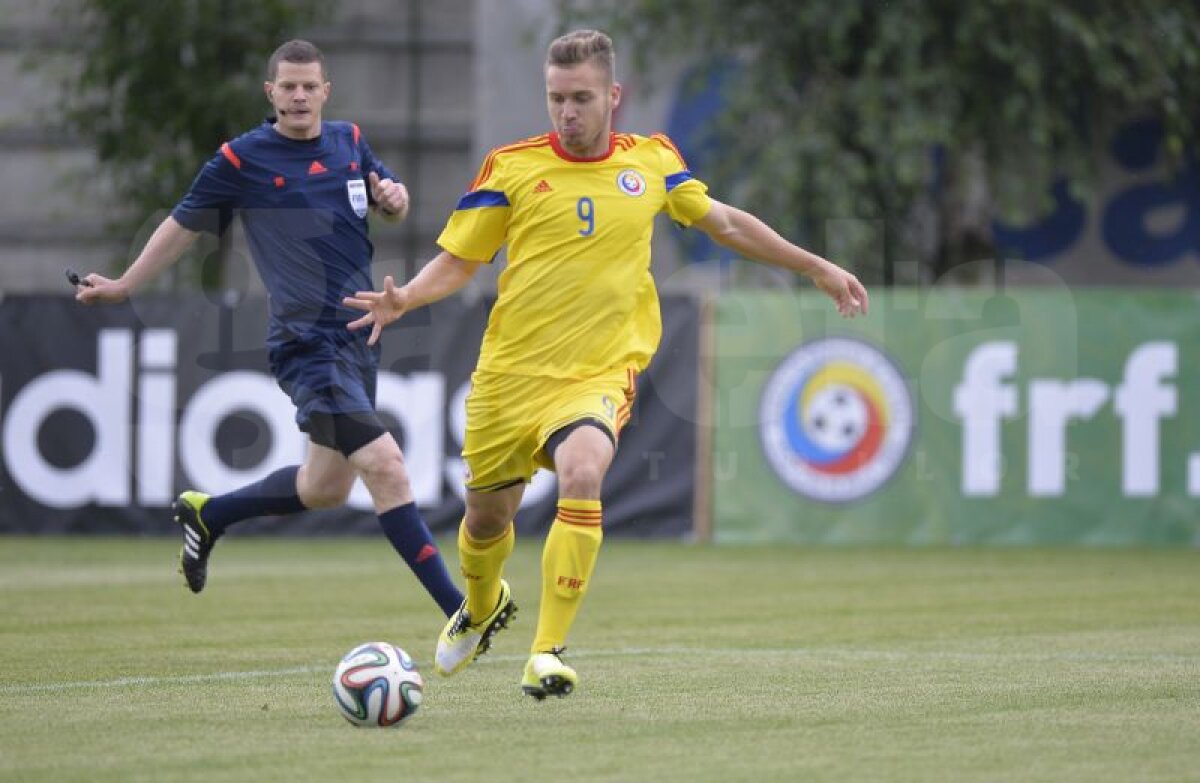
(276, 494)
(411, 538)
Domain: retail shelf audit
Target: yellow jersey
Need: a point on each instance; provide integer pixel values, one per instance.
(577, 297)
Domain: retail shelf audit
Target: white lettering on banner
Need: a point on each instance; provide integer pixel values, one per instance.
(109, 473)
(104, 399)
(1145, 397)
(1052, 405)
(986, 396)
(981, 401)
(156, 418)
(214, 402)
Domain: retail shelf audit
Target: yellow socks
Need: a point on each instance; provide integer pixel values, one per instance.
(482, 563)
(567, 562)
(568, 558)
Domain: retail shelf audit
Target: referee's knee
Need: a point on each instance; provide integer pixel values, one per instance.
(329, 491)
(327, 488)
(384, 472)
(325, 496)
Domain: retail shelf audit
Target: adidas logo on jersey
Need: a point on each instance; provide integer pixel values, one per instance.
(542, 187)
(316, 168)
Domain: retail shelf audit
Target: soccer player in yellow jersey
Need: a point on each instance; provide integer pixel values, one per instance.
(576, 320)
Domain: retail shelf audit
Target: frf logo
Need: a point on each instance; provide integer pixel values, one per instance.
(836, 419)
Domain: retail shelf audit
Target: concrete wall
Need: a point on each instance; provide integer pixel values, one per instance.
(46, 220)
(402, 69)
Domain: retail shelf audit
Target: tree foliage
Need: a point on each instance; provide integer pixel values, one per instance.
(929, 117)
(159, 86)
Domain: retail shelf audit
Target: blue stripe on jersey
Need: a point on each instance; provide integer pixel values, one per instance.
(483, 198)
(675, 180)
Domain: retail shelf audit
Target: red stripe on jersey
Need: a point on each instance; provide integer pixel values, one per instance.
(227, 151)
(662, 139)
(484, 170)
(357, 133)
(489, 162)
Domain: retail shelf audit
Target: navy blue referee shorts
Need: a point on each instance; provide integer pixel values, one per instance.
(325, 374)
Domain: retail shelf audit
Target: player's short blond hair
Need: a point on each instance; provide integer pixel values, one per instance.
(581, 46)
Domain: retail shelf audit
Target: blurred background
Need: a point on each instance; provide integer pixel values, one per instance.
(1016, 182)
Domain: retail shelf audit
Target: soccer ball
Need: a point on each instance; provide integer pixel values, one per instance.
(377, 684)
(836, 419)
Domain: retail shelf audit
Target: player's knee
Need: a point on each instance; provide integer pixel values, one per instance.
(580, 479)
(486, 523)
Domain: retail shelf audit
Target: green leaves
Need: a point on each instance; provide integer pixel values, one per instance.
(161, 85)
(840, 107)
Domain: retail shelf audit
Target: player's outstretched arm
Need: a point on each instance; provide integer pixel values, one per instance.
(166, 245)
(442, 276)
(742, 232)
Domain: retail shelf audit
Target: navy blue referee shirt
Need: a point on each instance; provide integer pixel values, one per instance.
(304, 207)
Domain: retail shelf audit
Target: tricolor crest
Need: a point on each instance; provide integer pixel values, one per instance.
(631, 182)
(836, 419)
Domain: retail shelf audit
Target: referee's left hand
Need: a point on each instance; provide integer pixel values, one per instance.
(390, 197)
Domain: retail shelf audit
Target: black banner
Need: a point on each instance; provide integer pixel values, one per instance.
(107, 413)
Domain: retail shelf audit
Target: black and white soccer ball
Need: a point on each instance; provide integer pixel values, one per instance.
(836, 418)
(377, 684)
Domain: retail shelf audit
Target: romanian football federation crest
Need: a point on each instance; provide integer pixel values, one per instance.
(836, 420)
(631, 182)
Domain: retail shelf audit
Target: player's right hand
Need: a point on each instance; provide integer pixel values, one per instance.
(101, 290)
(382, 308)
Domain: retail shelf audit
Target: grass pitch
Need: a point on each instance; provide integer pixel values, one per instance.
(696, 664)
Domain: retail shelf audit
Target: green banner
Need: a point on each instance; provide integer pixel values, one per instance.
(958, 416)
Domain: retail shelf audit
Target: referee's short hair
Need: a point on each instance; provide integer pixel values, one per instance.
(295, 51)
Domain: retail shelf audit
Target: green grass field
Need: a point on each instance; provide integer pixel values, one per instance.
(696, 664)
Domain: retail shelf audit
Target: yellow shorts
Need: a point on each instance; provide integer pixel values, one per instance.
(510, 418)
